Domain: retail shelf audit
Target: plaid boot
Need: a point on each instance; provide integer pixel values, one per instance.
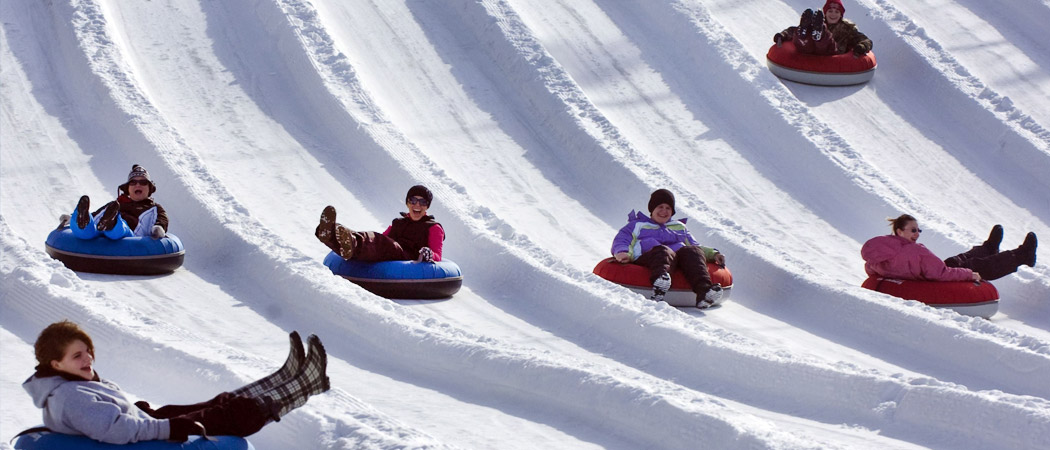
(292, 366)
(311, 380)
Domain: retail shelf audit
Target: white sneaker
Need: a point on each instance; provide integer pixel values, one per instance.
(712, 297)
(660, 287)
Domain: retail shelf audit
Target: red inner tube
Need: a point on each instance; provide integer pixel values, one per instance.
(786, 56)
(635, 275)
(935, 292)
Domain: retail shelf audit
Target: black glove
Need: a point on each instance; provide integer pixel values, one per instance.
(778, 39)
(860, 50)
(145, 407)
(182, 428)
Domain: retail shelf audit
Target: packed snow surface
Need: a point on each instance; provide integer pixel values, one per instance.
(538, 124)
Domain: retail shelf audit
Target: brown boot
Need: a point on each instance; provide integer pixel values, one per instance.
(109, 217)
(346, 243)
(325, 231)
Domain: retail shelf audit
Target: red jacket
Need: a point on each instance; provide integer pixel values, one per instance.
(892, 256)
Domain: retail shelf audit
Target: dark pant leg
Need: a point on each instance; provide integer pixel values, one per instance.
(995, 266)
(169, 411)
(694, 266)
(372, 246)
(961, 260)
(658, 260)
(803, 44)
(230, 415)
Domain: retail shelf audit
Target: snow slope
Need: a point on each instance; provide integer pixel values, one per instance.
(538, 124)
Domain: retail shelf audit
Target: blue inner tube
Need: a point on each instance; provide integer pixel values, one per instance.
(59, 441)
(128, 256)
(400, 279)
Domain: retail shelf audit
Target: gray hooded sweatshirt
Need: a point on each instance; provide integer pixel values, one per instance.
(97, 409)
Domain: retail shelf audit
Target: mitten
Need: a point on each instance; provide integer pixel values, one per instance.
(426, 255)
(860, 50)
(778, 39)
(182, 428)
(157, 232)
(63, 220)
(145, 407)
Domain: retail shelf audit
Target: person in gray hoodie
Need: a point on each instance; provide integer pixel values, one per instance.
(75, 400)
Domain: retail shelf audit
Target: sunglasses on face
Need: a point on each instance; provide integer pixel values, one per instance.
(138, 181)
(418, 201)
(916, 230)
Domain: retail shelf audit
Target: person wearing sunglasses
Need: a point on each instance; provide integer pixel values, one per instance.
(413, 236)
(133, 213)
(663, 244)
(900, 256)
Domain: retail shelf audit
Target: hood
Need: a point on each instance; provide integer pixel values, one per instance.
(883, 248)
(42, 383)
(638, 216)
(40, 387)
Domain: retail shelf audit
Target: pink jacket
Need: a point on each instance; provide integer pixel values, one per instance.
(892, 256)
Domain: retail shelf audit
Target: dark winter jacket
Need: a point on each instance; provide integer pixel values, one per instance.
(414, 235)
(849, 38)
(97, 409)
(130, 211)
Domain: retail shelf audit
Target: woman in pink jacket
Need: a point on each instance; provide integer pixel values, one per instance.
(900, 256)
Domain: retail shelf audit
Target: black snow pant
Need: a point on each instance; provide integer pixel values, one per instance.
(991, 266)
(224, 415)
(373, 247)
(690, 259)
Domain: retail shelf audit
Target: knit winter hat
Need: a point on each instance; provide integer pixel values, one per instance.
(136, 172)
(421, 191)
(838, 3)
(659, 197)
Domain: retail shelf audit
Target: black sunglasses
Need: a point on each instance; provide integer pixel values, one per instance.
(419, 201)
(916, 230)
(138, 182)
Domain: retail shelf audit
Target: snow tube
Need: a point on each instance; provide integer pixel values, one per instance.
(824, 70)
(128, 256)
(636, 278)
(59, 441)
(965, 297)
(400, 279)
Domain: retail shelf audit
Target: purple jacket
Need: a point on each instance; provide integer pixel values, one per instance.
(641, 234)
(892, 256)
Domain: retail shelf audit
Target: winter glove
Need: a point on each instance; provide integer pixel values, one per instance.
(426, 255)
(720, 260)
(182, 428)
(157, 232)
(860, 50)
(145, 407)
(63, 221)
(778, 39)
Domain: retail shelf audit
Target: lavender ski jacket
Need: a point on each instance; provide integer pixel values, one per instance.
(641, 234)
(892, 256)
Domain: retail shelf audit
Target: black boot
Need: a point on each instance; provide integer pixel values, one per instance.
(325, 231)
(995, 237)
(292, 366)
(311, 380)
(1026, 252)
(83, 215)
(817, 25)
(805, 25)
(109, 217)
